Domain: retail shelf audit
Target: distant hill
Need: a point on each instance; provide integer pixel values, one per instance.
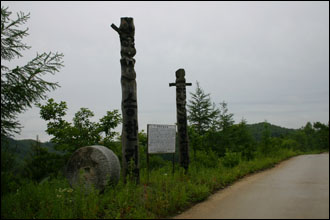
(275, 131)
(21, 148)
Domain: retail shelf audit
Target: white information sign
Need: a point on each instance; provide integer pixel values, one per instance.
(161, 139)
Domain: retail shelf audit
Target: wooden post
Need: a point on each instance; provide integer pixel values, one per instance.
(130, 148)
(181, 84)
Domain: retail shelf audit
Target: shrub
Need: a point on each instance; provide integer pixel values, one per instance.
(206, 159)
(231, 159)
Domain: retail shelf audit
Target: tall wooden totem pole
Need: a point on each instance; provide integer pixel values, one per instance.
(130, 147)
(181, 114)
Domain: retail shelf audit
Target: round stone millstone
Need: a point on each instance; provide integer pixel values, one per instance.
(93, 165)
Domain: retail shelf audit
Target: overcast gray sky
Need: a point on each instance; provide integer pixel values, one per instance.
(267, 60)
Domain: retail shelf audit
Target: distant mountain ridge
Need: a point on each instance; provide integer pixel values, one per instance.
(275, 131)
(21, 148)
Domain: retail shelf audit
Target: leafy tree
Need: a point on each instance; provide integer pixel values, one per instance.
(9, 178)
(22, 86)
(300, 137)
(86, 131)
(311, 133)
(195, 140)
(109, 122)
(83, 132)
(243, 140)
(311, 137)
(40, 163)
(290, 143)
(213, 140)
(265, 140)
(202, 113)
(322, 135)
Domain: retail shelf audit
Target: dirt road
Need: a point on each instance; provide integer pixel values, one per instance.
(297, 188)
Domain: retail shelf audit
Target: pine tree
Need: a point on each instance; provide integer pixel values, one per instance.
(202, 112)
(23, 86)
(225, 119)
(224, 125)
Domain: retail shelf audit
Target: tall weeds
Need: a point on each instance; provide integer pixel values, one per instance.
(162, 195)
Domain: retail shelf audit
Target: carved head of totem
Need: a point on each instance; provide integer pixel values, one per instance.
(127, 31)
(127, 26)
(180, 73)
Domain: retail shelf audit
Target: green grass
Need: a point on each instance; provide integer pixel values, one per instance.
(163, 196)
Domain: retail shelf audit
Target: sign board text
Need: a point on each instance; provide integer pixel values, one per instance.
(161, 139)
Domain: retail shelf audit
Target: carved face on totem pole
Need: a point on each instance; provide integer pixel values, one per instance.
(181, 90)
(127, 31)
(128, 51)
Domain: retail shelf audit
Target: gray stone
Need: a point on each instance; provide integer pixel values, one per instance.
(93, 165)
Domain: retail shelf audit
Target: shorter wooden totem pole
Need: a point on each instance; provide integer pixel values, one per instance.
(181, 114)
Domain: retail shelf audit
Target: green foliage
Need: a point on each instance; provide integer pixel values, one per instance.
(10, 181)
(143, 138)
(53, 111)
(225, 119)
(23, 86)
(275, 131)
(196, 140)
(51, 199)
(312, 137)
(206, 158)
(214, 140)
(233, 138)
(164, 194)
(69, 137)
(290, 144)
(202, 113)
(231, 159)
(265, 140)
(243, 141)
(322, 135)
(161, 197)
(211, 128)
(21, 149)
(40, 163)
(109, 122)
(224, 130)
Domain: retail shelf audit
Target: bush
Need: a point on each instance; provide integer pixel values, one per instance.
(206, 159)
(290, 144)
(10, 172)
(42, 163)
(231, 159)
